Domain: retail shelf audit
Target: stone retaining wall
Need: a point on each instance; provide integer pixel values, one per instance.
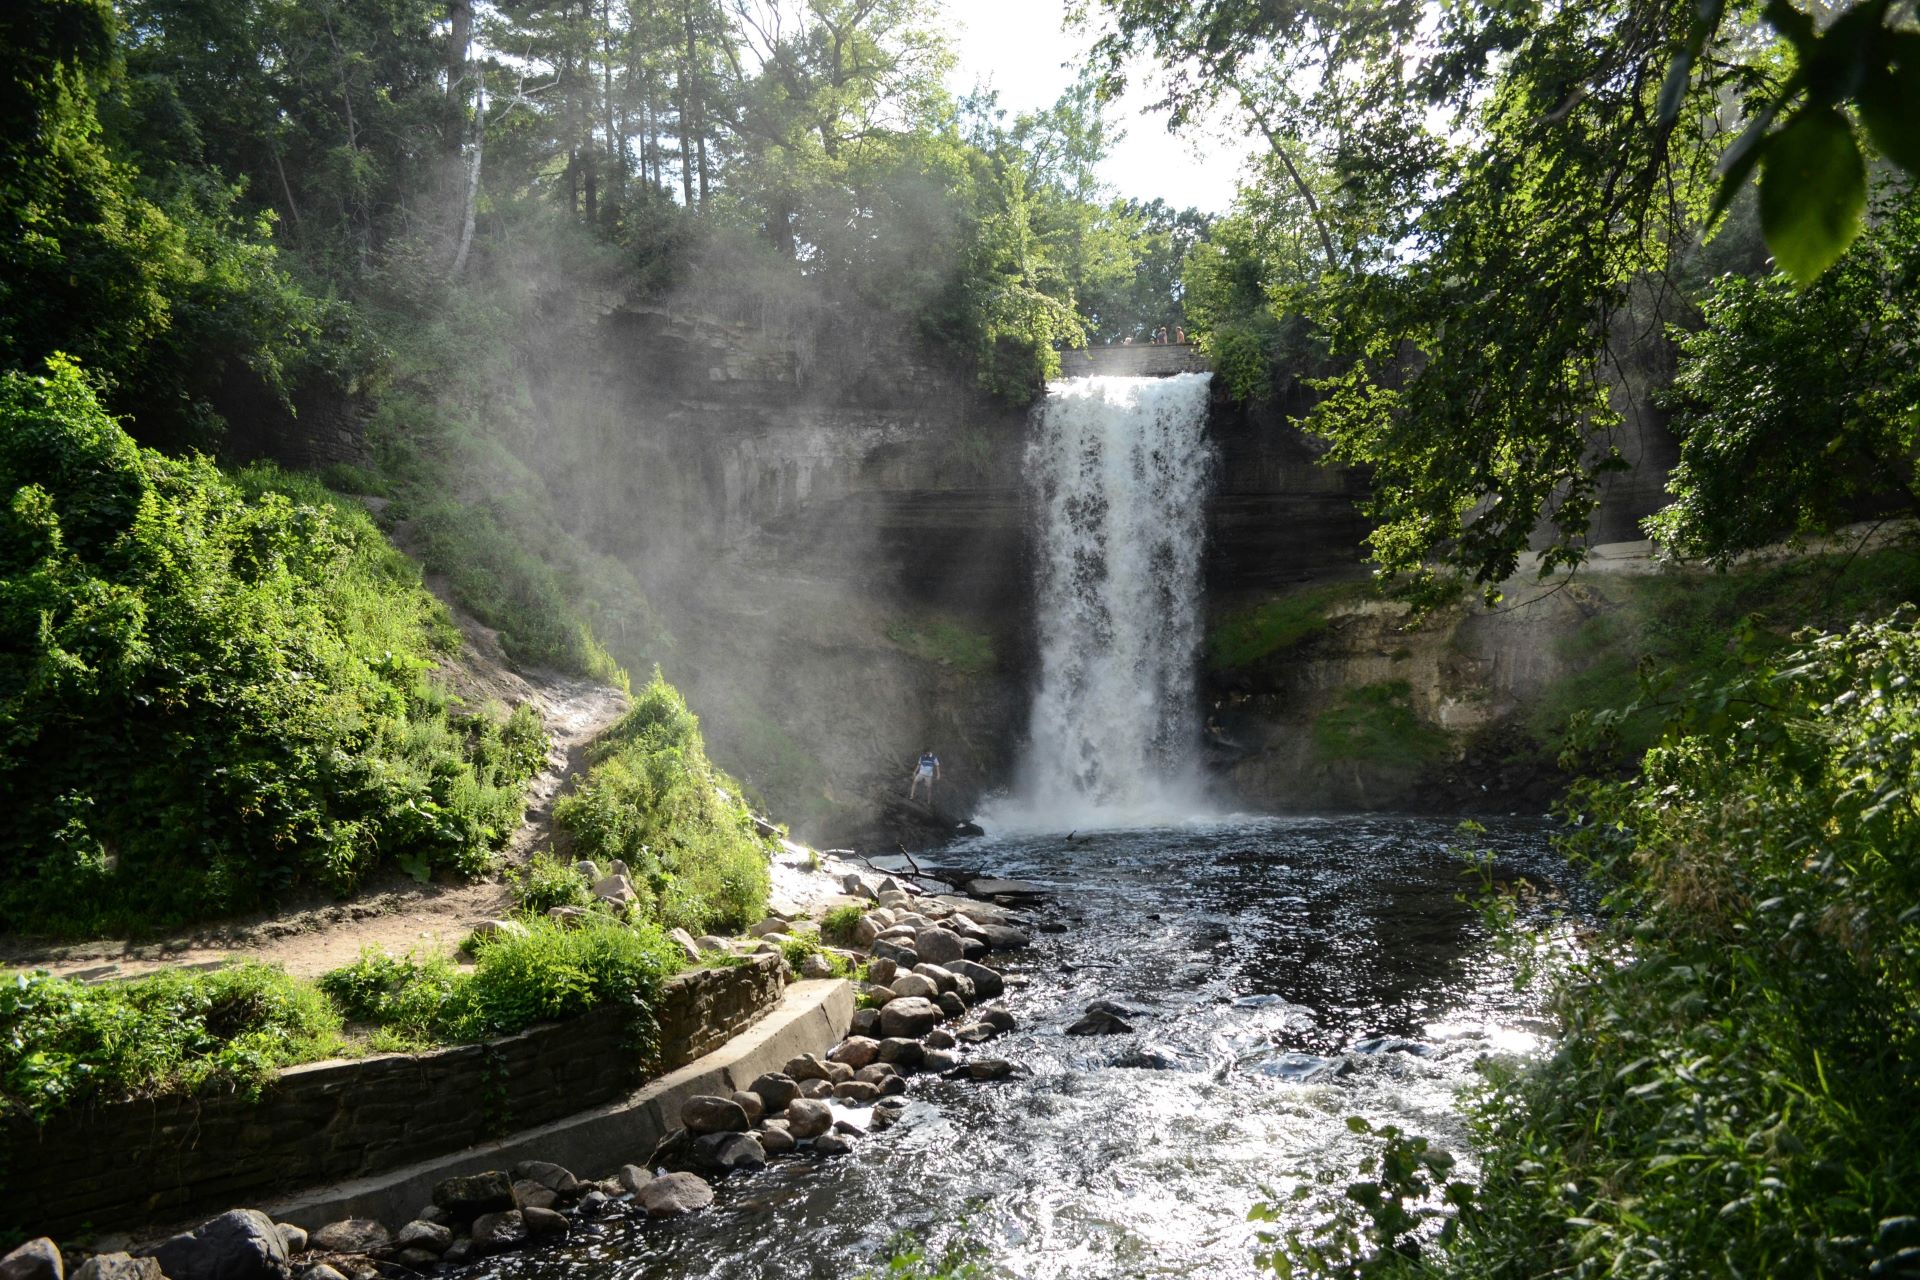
(130, 1165)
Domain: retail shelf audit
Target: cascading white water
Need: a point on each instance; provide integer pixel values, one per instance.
(1121, 468)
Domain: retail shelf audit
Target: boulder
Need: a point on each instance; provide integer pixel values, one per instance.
(857, 1092)
(634, 1179)
(617, 868)
(567, 917)
(939, 1038)
(902, 932)
(458, 1254)
(689, 946)
(555, 1178)
(986, 982)
(913, 985)
(963, 991)
(865, 930)
(942, 979)
(853, 886)
(766, 928)
(474, 1194)
(988, 1069)
(37, 1259)
(776, 1090)
(544, 1222)
(431, 1236)
(487, 930)
(855, 1051)
(1004, 937)
(866, 1022)
(814, 965)
(594, 1203)
(776, 1139)
(872, 995)
(493, 1232)
(719, 1154)
(938, 945)
(1098, 1022)
(674, 1194)
(119, 1266)
(902, 1053)
(616, 889)
(910, 1017)
(528, 1194)
(831, 1144)
(809, 1118)
(350, 1235)
(321, 1271)
(709, 1114)
(887, 1113)
(751, 1103)
(904, 956)
(1113, 1007)
(997, 1018)
(877, 1073)
(416, 1259)
(838, 1071)
(951, 1005)
(432, 1213)
(817, 1089)
(940, 1060)
(589, 870)
(241, 1244)
(975, 1032)
(804, 1068)
(710, 943)
(880, 971)
(294, 1238)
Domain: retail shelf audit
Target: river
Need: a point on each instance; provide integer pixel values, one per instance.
(1288, 973)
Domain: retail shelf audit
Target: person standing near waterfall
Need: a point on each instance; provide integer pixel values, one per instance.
(928, 770)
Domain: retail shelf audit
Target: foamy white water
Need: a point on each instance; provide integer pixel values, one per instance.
(1121, 469)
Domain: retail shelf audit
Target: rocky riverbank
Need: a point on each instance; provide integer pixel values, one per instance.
(927, 1006)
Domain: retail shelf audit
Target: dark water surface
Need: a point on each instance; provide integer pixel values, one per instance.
(1289, 973)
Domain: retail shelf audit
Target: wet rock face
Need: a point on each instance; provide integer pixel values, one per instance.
(674, 1195)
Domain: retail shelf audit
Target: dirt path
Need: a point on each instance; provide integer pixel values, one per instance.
(308, 938)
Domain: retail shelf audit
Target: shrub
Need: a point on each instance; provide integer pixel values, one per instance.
(1244, 638)
(548, 973)
(69, 1043)
(653, 800)
(838, 923)
(214, 688)
(546, 882)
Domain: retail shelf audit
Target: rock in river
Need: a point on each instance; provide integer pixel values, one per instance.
(936, 945)
(673, 1194)
(493, 1232)
(242, 1244)
(709, 1114)
(910, 985)
(350, 1235)
(910, 1017)
(807, 1118)
(856, 1052)
(776, 1090)
(1098, 1022)
(118, 1266)
(37, 1259)
(471, 1196)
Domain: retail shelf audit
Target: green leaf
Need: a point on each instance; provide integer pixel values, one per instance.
(1890, 106)
(1813, 190)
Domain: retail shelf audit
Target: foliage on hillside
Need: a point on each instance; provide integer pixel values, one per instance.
(1733, 1086)
(653, 800)
(215, 690)
(71, 1043)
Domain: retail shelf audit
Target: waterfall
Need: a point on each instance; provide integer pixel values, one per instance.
(1120, 469)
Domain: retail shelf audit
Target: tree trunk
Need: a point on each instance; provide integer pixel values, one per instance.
(473, 182)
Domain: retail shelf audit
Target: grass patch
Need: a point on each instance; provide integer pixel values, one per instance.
(653, 800)
(1376, 724)
(945, 643)
(1242, 638)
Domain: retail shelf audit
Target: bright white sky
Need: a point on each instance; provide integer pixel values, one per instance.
(1018, 47)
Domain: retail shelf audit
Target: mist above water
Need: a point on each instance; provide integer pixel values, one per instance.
(1121, 469)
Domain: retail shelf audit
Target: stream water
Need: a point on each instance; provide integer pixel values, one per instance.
(1288, 973)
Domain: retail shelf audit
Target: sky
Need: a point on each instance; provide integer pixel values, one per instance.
(1018, 47)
